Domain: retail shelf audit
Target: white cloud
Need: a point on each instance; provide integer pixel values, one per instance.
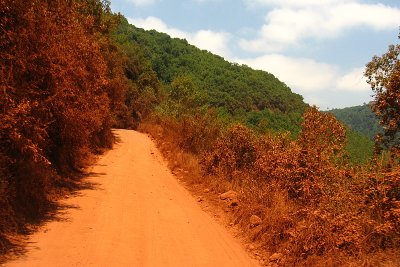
(206, 1)
(153, 23)
(290, 22)
(295, 3)
(311, 78)
(215, 42)
(316, 100)
(301, 74)
(141, 2)
(354, 81)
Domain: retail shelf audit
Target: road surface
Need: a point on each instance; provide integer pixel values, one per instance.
(137, 214)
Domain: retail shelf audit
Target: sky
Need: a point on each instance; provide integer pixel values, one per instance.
(319, 48)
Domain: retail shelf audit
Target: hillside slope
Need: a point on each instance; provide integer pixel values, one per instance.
(363, 126)
(235, 90)
(227, 84)
(360, 119)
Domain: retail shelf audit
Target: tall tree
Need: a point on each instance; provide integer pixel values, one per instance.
(384, 77)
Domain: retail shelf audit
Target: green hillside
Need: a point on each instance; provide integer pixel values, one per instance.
(363, 126)
(235, 90)
(360, 119)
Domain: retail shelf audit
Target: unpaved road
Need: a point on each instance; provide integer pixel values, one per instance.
(137, 215)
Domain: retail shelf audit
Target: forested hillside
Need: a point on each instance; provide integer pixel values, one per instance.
(250, 96)
(360, 119)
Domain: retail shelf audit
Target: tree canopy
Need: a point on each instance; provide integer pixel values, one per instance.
(224, 84)
(384, 77)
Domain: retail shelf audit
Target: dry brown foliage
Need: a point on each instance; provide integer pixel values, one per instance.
(316, 208)
(234, 152)
(383, 75)
(56, 99)
(382, 200)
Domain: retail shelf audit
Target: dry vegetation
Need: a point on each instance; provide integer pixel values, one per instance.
(316, 209)
(48, 91)
(65, 82)
(63, 86)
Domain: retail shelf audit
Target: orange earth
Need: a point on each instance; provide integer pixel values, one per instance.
(137, 214)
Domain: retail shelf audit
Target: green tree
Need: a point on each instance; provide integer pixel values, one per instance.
(185, 93)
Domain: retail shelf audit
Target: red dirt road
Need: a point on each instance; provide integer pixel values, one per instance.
(137, 215)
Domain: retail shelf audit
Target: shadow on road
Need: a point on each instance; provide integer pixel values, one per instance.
(17, 245)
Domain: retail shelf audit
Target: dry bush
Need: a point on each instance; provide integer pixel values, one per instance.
(198, 132)
(315, 208)
(382, 201)
(195, 133)
(55, 101)
(314, 205)
(321, 141)
(277, 159)
(232, 153)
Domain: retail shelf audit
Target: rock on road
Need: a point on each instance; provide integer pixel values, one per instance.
(137, 214)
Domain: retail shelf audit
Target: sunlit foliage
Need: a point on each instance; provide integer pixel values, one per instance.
(384, 77)
(56, 99)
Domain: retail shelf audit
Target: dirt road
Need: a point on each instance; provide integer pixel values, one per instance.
(137, 215)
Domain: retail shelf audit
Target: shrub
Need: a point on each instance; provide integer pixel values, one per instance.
(198, 132)
(233, 152)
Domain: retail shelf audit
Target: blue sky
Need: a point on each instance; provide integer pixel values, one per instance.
(317, 47)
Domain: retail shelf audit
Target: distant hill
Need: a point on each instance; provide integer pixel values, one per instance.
(236, 90)
(227, 84)
(360, 119)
